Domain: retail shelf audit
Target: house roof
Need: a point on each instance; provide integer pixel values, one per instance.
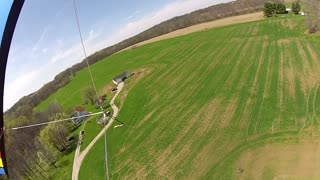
(122, 77)
(78, 113)
(76, 119)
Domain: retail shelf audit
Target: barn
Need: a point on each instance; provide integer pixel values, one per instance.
(122, 77)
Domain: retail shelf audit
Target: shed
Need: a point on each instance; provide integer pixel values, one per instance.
(288, 10)
(302, 13)
(122, 77)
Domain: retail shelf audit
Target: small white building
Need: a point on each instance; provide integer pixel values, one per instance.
(288, 10)
(302, 13)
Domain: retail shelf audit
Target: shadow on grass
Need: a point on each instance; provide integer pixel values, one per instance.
(63, 163)
(72, 147)
(75, 128)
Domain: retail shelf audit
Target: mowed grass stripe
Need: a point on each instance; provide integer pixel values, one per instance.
(297, 99)
(247, 88)
(201, 131)
(259, 78)
(271, 103)
(243, 75)
(208, 110)
(264, 86)
(249, 92)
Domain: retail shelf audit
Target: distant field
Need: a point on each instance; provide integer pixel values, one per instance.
(204, 26)
(226, 103)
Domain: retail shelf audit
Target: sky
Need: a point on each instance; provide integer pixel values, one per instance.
(46, 39)
(4, 12)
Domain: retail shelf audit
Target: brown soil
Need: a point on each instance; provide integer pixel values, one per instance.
(280, 161)
(204, 26)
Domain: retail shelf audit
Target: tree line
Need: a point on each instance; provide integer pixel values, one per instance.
(274, 8)
(312, 12)
(31, 152)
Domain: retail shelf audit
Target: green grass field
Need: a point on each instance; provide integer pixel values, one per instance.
(209, 98)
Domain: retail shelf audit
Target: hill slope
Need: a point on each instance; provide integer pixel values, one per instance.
(215, 105)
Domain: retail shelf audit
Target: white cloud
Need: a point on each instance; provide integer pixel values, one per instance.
(40, 40)
(28, 82)
(133, 15)
(174, 9)
(44, 50)
(17, 88)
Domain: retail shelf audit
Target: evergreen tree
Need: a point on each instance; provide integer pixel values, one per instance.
(272, 9)
(281, 8)
(296, 8)
(268, 9)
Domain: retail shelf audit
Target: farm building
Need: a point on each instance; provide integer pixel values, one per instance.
(288, 10)
(76, 117)
(121, 78)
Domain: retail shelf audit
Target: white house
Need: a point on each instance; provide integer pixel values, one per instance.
(288, 10)
(302, 13)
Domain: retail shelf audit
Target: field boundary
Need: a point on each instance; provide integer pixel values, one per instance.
(202, 27)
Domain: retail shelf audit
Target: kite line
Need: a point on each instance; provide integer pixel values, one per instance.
(56, 121)
(102, 110)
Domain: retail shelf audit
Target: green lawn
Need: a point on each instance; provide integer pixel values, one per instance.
(209, 97)
(92, 128)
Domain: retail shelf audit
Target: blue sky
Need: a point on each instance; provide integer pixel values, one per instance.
(46, 39)
(4, 12)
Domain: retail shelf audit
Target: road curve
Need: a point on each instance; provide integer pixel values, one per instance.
(79, 156)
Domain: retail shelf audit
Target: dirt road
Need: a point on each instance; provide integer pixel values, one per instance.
(79, 156)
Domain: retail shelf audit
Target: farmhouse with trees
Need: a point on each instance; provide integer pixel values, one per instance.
(273, 9)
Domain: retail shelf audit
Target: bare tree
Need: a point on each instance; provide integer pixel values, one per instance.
(89, 95)
(54, 135)
(53, 109)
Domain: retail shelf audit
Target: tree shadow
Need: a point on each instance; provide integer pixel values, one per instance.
(71, 147)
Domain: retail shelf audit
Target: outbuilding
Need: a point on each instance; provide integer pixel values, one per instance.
(288, 10)
(122, 77)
